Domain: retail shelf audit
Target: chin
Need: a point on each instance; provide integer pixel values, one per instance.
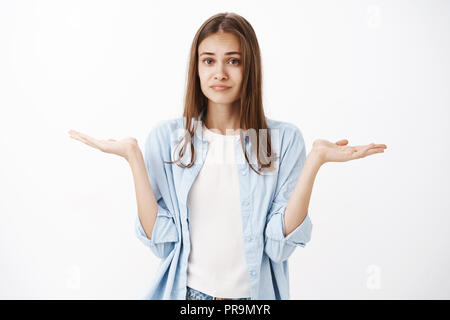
(227, 101)
(217, 98)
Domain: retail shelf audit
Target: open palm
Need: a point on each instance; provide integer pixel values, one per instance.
(121, 148)
(339, 151)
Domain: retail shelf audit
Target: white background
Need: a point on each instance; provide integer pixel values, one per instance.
(367, 71)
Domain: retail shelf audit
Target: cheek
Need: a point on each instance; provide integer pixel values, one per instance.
(237, 76)
(203, 74)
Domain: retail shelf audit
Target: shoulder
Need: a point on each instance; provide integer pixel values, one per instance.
(287, 132)
(166, 126)
(163, 132)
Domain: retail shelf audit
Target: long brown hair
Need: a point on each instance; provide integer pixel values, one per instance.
(251, 106)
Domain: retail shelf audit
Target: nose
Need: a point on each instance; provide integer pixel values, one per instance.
(220, 72)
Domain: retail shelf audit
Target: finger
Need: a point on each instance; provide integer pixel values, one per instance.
(361, 151)
(373, 151)
(374, 145)
(73, 133)
(342, 142)
(85, 136)
(90, 139)
(368, 147)
(87, 140)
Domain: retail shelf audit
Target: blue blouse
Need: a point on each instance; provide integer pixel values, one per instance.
(263, 202)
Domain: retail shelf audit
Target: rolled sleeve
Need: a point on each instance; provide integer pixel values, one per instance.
(276, 245)
(164, 234)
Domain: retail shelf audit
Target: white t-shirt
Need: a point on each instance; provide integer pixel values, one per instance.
(217, 264)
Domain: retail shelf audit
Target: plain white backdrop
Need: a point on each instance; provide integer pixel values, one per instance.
(366, 71)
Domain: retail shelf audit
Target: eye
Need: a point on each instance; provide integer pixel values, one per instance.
(237, 61)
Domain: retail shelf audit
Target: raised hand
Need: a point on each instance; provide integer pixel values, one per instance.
(122, 147)
(339, 151)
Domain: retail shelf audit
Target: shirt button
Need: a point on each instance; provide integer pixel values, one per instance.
(245, 203)
(244, 172)
(252, 273)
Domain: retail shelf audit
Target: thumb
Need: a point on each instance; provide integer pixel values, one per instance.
(342, 142)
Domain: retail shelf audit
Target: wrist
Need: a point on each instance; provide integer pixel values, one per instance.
(316, 157)
(133, 152)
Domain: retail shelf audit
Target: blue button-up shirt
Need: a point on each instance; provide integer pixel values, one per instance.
(263, 202)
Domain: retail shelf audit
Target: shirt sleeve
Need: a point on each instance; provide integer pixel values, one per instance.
(164, 234)
(276, 245)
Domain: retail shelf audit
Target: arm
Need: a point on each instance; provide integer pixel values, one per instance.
(323, 151)
(146, 201)
(155, 225)
(297, 206)
(288, 223)
(280, 243)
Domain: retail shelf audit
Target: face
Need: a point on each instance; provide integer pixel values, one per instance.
(219, 64)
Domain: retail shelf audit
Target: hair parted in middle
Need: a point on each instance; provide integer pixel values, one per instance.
(251, 111)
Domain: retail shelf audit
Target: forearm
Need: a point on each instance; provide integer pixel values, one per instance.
(146, 201)
(297, 207)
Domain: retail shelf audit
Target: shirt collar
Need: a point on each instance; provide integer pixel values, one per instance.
(199, 132)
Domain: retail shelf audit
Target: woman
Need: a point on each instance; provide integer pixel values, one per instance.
(223, 192)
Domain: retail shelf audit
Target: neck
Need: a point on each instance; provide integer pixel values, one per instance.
(223, 117)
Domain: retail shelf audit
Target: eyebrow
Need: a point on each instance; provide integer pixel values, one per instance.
(226, 53)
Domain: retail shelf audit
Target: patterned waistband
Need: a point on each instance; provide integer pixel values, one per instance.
(192, 294)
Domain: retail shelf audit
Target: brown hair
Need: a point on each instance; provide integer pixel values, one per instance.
(251, 106)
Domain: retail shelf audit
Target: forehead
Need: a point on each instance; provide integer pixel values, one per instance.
(220, 42)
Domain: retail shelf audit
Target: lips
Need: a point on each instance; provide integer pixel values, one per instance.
(220, 88)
